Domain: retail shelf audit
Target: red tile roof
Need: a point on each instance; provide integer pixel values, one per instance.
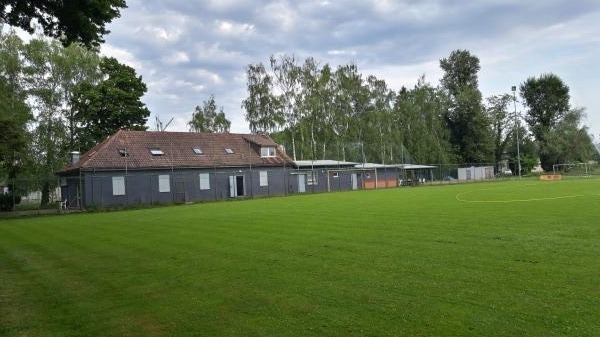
(178, 149)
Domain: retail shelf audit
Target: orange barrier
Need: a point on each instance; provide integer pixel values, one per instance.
(549, 177)
(381, 183)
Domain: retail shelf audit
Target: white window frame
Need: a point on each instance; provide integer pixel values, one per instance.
(157, 152)
(267, 151)
(164, 183)
(204, 181)
(197, 150)
(263, 178)
(311, 178)
(118, 185)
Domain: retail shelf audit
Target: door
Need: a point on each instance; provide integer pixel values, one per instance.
(236, 186)
(239, 185)
(354, 181)
(232, 187)
(302, 183)
(179, 191)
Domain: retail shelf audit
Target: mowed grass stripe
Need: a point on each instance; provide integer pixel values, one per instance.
(411, 261)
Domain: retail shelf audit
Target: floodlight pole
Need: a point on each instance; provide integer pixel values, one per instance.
(514, 90)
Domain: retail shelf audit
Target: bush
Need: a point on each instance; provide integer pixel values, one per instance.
(8, 201)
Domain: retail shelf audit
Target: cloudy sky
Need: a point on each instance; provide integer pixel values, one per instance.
(186, 50)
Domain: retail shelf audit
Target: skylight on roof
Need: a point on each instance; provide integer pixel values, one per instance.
(123, 153)
(228, 150)
(156, 152)
(197, 150)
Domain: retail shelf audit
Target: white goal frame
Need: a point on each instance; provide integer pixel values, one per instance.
(564, 168)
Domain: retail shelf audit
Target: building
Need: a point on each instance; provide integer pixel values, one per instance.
(332, 175)
(476, 173)
(143, 167)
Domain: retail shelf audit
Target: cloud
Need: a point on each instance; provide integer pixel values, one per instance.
(187, 50)
(176, 58)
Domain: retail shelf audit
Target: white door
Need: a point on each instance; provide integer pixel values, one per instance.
(302, 183)
(232, 187)
(354, 181)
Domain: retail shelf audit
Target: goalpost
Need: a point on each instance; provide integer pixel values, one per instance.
(572, 169)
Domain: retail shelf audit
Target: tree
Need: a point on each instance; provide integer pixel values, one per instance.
(114, 103)
(207, 119)
(497, 111)
(51, 72)
(379, 119)
(567, 142)
(527, 149)
(262, 114)
(315, 104)
(469, 126)
(286, 78)
(547, 99)
(420, 126)
(349, 99)
(15, 114)
(69, 21)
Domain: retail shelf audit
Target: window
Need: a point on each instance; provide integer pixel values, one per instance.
(164, 184)
(123, 153)
(118, 185)
(204, 181)
(267, 151)
(197, 150)
(229, 150)
(156, 152)
(264, 178)
(336, 174)
(311, 178)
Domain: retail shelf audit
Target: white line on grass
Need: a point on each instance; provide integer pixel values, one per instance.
(458, 197)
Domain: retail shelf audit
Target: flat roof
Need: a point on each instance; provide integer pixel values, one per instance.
(328, 163)
(323, 163)
(400, 166)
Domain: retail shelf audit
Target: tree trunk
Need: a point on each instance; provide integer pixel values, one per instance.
(45, 194)
(293, 146)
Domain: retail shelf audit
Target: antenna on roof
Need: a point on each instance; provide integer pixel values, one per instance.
(159, 124)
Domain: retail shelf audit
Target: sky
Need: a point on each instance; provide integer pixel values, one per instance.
(187, 50)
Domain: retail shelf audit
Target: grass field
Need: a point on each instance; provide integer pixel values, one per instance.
(517, 258)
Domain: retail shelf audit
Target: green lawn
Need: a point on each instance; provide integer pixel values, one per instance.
(517, 258)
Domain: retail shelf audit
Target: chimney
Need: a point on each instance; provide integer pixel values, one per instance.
(74, 157)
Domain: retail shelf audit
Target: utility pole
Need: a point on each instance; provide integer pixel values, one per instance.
(514, 90)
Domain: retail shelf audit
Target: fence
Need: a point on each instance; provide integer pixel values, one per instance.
(108, 190)
(28, 194)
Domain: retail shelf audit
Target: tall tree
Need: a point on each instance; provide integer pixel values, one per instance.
(349, 98)
(51, 73)
(547, 99)
(379, 119)
(469, 126)
(315, 104)
(113, 103)
(14, 117)
(15, 114)
(567, 141)
(261, 105)
(286, 79)
(497, 110)
(70, 21)
(207, 119)
(418, 116)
